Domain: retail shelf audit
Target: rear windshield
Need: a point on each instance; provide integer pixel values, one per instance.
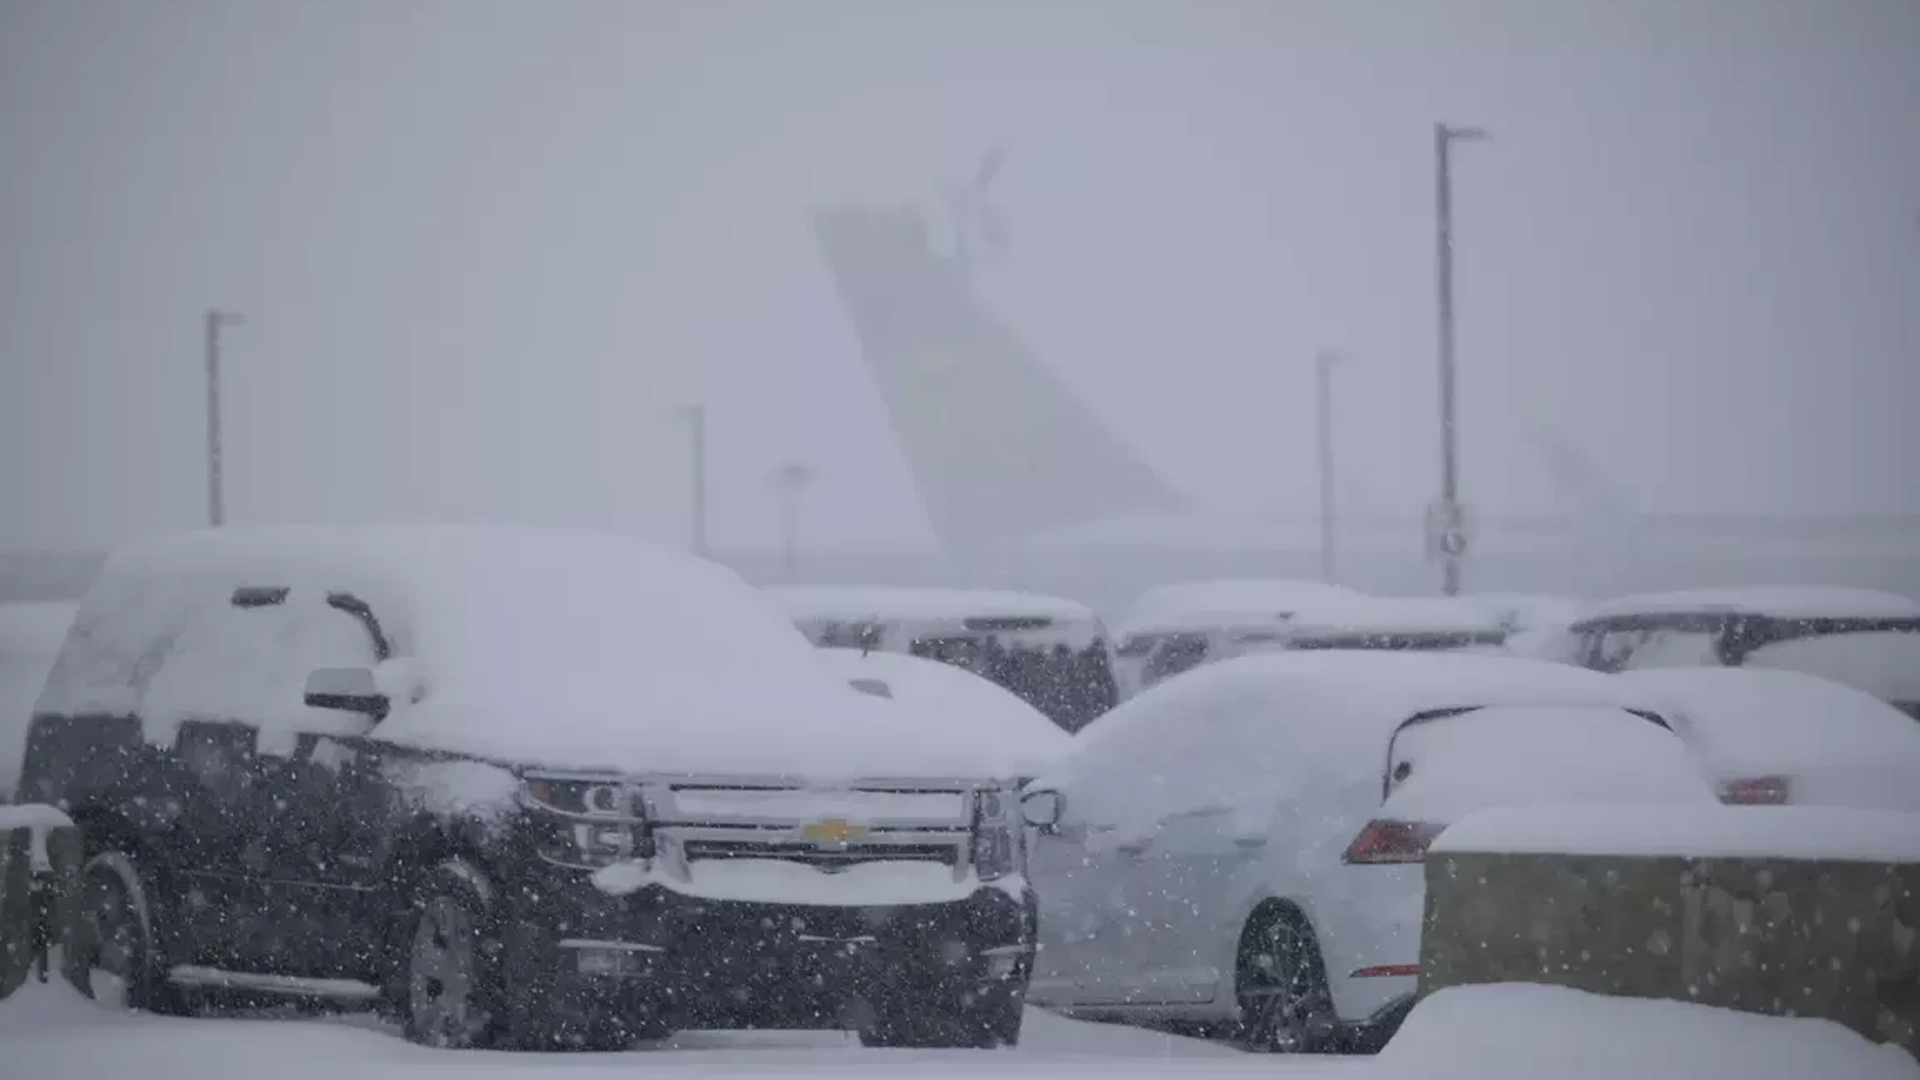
(1410, 642)
(1071, 686)
(1442, 766)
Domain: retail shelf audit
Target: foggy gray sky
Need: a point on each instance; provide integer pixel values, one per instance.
(486, 248)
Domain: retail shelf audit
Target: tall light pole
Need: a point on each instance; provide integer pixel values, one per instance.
(696, 418)
(1448, 521)
(790, 482)
(216, 321)
(1324, 362)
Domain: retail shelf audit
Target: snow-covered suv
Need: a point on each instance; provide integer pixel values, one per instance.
(529, 788)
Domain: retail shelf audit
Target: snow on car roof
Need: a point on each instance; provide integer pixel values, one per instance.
(1397, 615)
(902, 602)
(1884, 663)
(1220, 596)
(1769, 722)
(963, 700)
(1530, 754)
(1533, 611)
(1356, 699)
(1780, 601)
(539, 646)
(1202, 620)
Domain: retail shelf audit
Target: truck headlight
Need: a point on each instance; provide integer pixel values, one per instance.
(996, 839)
(586, 823)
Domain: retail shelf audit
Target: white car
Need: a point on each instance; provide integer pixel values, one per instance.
(1785, 737)
(1401, 623)
(1243, 845)
(959, 701)
(1179, 626)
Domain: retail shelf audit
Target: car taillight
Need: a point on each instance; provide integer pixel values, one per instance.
(1385, 841)
(1757, 791)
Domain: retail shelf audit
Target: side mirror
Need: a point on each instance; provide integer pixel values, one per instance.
(1042, 809)
(348, 689)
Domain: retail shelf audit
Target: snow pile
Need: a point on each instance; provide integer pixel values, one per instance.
(1839, 746)
(1354, 700)
(552, 647)
(1728, 832)
(1779, 601)
(1528, 755)
(1399, 615)
(1532, 611)
(1526, 1032)
(1884, 663)
(30, 637)
(893, 603)
(1234, 599)
(955, 698)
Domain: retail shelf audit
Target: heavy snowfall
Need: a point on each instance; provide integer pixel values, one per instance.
(1150, 538)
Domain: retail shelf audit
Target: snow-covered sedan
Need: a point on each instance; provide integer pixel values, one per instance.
(1242, 845)
(531, 788)
(1784, 737)
(1868, 639)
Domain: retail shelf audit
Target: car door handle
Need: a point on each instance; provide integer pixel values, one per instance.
(1137, 846)
(1249, 843)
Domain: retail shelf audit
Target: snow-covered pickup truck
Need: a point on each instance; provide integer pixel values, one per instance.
(525, 788)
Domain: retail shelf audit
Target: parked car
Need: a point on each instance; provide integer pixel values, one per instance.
(1154, 649)
(1051, 652)
(528, 787)
(1241, 847)
(1783, 737)
(1403, 624)
(959, 699)
(1864, 638)
(1176, 627)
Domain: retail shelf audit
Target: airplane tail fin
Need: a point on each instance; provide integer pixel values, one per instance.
(997, 445)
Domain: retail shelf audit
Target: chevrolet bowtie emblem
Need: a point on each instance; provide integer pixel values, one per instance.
(834, 831)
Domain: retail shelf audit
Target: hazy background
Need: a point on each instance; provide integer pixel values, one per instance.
(486, 248)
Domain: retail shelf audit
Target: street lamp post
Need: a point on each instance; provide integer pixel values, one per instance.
(1324, 362)
(1450, 521)
(696, 418)
(216, 321)
(790, 482)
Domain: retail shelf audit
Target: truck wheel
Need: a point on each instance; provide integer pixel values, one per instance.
(111, 956)
(451, 991)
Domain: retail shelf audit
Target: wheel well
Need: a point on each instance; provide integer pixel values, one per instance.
(1268, 911)
(414, 865)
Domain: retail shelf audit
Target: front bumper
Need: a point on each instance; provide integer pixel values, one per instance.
(730, 963)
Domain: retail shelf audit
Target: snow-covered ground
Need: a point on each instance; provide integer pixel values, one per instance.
(1474, 1033)
(49, 1031)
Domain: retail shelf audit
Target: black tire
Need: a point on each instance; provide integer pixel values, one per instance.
(449, 977)
(111, 943)
(986, 1025)
(1286, 1005)
(468, 982)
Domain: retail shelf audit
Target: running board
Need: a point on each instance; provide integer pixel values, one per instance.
(215, 979)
